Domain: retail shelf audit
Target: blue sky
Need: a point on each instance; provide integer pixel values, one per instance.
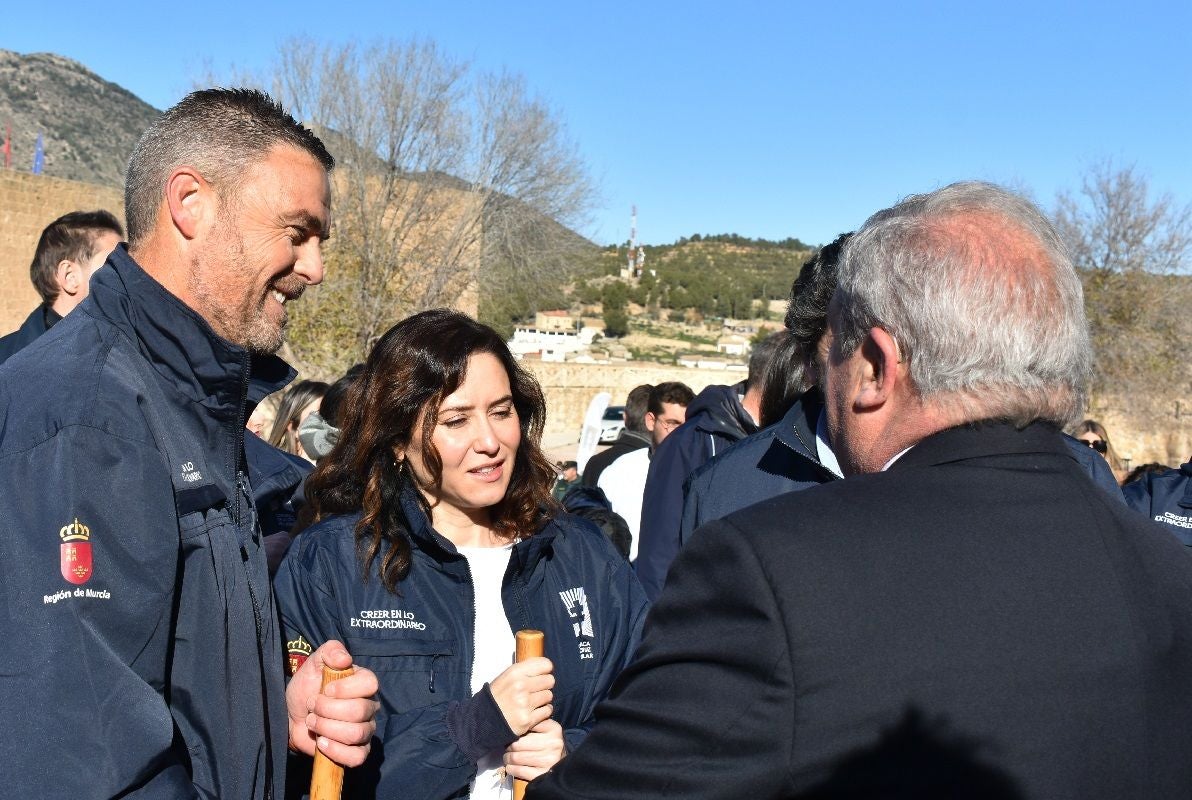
(760, 118)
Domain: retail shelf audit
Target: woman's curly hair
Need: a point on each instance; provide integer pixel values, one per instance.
(411, 369)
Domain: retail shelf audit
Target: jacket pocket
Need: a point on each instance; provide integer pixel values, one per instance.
(398, 653)
(412, 673)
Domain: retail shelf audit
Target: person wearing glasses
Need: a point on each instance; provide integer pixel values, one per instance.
(624, 480)
(1093, 434)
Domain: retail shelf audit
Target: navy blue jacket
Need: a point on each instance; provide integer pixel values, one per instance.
(565, 580)
(32, 328)
(139, 622)
(276, 477)
(1165, 498)
(777, 459)
(715, 420)
(782, 458)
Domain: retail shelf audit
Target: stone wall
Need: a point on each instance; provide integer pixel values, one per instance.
(1147, 431)
(570, 387)
(1142, 433)
(28, 203)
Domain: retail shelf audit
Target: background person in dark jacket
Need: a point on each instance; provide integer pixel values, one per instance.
(136, 582)
(633, 437)
(624, 480)
(794, 453)
(717, 417)
(437, 540)
(69, 251)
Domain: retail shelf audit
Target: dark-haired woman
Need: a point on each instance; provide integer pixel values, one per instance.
(435, 539)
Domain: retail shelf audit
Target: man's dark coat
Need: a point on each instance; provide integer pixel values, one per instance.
(33, 327)
(979, 621)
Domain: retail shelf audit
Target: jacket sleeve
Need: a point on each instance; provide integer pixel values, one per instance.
(622, 630)
(88, 581)
(429, 751)
(705, 709)
(662, 508)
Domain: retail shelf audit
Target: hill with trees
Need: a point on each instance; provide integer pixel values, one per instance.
(698, 277)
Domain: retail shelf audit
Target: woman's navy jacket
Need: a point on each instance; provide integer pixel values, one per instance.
(566, 580)
(1166, 498)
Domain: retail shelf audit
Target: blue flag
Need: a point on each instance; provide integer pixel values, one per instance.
(39, 157)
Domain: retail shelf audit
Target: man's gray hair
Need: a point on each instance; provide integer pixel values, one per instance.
(981, 297)
(219, 132)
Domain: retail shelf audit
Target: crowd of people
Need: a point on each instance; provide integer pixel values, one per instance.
(878, 567)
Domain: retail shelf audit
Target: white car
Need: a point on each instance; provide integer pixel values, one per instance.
(611, 424)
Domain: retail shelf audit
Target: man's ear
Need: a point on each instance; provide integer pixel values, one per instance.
(191, 201)
(69, 276)
(880, 359)
(649, 419)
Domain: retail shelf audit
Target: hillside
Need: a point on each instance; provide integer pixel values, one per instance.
(704, 276)
(89, 126)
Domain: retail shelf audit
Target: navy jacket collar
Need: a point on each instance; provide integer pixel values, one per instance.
(430, 541)
(796, 430)
(981, 439)
(178, 342)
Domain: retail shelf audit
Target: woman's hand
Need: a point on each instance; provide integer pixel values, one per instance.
(536, 752)
(523, 693)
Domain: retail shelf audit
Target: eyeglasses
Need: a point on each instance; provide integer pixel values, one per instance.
(1097, 444)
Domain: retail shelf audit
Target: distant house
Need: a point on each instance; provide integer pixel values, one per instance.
(550, 345)
(705, 361)
(558, 320)
(740, 327)
(733, 345)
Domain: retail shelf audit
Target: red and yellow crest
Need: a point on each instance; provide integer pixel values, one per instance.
(75, 552)
(298, 650)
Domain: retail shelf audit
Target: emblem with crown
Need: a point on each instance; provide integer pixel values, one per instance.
(297, 651)
(75, 532)
(75, 558)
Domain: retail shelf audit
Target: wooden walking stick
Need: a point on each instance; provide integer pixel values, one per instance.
(327, 777)
(530, 644)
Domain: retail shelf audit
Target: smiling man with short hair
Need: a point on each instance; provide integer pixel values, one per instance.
(135, 575)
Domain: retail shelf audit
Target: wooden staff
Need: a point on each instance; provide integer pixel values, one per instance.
(327, 777)
(530, 644)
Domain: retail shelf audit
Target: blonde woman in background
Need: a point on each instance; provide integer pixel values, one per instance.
(300, 401)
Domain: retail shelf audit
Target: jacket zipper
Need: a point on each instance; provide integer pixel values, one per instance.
(242, 488)
(814, 455)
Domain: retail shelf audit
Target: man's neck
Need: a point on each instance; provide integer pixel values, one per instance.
(752, 403)
(51, 315)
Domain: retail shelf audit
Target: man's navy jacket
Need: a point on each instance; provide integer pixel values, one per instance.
(715, 420)
(31, 329)
(1167, 499)
(143, 650)
(783, 458)
(778, 459)
(565, 580)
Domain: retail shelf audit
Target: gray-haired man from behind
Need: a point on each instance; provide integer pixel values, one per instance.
(966, 615)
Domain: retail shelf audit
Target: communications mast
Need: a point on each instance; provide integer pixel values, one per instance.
(637, 255)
